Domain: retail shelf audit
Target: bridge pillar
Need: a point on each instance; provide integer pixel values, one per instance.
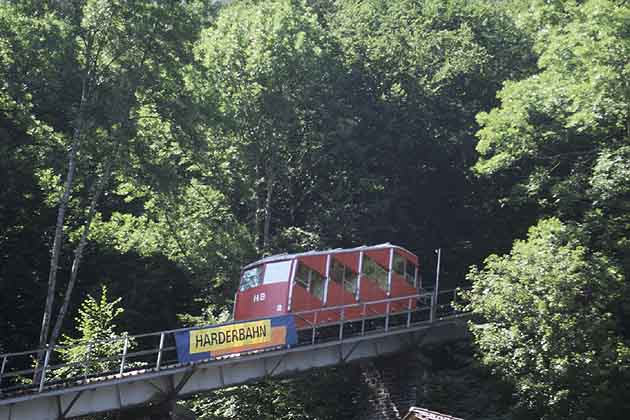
(393, 383)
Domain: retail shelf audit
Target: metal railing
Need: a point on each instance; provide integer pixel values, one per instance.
(156, 351)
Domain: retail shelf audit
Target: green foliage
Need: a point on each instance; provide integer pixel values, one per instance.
(555, 307)
(269, 70)
(210, 314)
(98, 338)
(324, 394)
(196, 230)
(295, 239)
(550, 324)
(610, 182)
(609, 190)
(574, 107)
(416, 46)
(25, 137)
(418, 73)
(455, 383)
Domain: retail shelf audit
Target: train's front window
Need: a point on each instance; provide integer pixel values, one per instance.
(251, 278)
(277, 272)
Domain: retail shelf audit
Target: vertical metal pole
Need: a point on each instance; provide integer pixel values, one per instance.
(159, 359)
(389, 272)
(124, 355)
(387, 316)
(431, 311)
(327, 279)
(313, 334)
(409, 313)
(87, 359)
(359, 276)
(43, 378)
(437, 284)
(234, 307)
(294, 264)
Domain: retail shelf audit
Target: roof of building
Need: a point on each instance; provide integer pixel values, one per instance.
(417, 413)
(283, 257)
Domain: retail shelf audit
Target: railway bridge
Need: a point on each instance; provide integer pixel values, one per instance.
(146, 370)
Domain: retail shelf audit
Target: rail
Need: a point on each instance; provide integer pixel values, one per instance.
(93, 361)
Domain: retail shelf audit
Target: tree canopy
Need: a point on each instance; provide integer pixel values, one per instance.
(551, 311)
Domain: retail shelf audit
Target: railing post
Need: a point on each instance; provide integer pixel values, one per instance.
(409, 313)
(4, 364)
(43, 378)
(159, 358)
(87, 359)
(432, 311)
(363, 315)
(387, 308)
(342, 321)
(453, 302)
(124, 355)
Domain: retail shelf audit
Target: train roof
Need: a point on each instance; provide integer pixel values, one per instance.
(284, 257)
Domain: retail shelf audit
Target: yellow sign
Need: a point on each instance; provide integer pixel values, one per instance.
(230, 336)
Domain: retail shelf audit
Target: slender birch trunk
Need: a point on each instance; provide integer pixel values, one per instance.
(78, 253)
(61, 213)
(54, 258)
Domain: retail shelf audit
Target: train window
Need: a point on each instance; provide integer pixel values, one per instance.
(342, 274)
(410, 273)
(277, 272)
(251, 278)
(405, 268)
(399, 264)
(311, 280)
(317, 285)
(375, 272)
(302, 275)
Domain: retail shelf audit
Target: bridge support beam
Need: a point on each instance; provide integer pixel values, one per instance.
(393, 383)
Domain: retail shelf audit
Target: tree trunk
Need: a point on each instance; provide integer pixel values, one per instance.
(54, 258)
(78, 253)
(266, 231)
(257, 210)
(61, 213)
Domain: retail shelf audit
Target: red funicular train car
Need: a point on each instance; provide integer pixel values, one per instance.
(299, 283)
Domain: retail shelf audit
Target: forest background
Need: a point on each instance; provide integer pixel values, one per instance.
(154, 148)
